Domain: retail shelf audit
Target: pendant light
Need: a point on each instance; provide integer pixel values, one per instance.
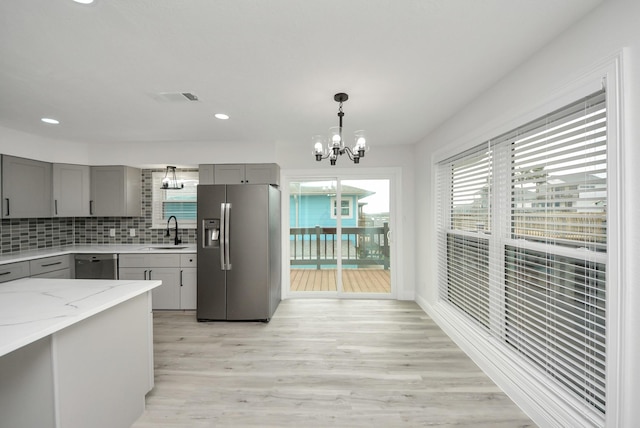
(170, 181)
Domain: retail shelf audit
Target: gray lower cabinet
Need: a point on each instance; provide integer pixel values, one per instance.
(46, 267)
(51, 267)
(71, 190)
(178, 289)
(116, 191)
(188, 281)
(26, 188)
(11, 271)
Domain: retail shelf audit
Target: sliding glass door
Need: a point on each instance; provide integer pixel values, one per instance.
(313, 253)
(339, 237)
(365, 228)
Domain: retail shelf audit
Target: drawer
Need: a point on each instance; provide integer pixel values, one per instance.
(12, 271)
(58, 274)
(49, 264)
(149, 260)
(188, 260)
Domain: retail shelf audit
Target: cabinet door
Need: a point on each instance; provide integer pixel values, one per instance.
(107, 191)
(229, 174)
(70, 190)
(167, 296)
(115, 191)
(26, 188)
(262, 173)
(206, 174)
(188, 288)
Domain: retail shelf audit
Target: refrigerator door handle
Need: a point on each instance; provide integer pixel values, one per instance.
(227, 239)
(223, 262)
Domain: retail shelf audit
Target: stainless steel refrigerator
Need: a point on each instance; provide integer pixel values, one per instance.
(238, 252)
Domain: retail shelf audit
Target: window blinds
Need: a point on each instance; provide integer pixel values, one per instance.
(523, 240)
(467, 188)
(560, 176)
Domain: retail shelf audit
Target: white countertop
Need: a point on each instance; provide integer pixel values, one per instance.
(98, 249)
(33, 308)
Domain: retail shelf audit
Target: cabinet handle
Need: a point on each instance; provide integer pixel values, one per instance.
(150, 273)
(8, 210)
(181, 278)
(5, 273)
(56, 204)
(91, 209)
(51, 264)
(145, 275)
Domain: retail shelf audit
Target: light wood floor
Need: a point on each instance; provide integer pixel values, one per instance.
(319, 363)
(372, 280)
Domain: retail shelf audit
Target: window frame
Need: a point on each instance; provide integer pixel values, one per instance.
(159, 198)
(334, 207)
(500, 238)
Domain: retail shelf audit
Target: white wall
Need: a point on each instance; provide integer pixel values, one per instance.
(162, 153)
(535, 85)
(24, 145)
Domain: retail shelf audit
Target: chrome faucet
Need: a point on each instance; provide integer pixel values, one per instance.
(176, 241)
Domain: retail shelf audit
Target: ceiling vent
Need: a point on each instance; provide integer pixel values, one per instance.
(176, 96)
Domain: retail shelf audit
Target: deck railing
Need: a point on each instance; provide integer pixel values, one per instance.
(360, 246)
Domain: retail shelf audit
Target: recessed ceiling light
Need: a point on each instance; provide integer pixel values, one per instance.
(50, 121)
(221, 116)
(83, 1)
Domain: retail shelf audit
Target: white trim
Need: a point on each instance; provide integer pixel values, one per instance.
(616, 283)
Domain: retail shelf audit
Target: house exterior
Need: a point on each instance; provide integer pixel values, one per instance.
(314, 204)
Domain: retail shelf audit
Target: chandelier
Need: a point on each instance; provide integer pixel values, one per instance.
(336, 146)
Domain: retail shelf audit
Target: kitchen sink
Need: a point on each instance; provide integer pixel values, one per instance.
(167, 247)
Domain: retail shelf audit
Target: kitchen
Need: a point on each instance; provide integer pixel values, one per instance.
(422, 78)
(160, 276)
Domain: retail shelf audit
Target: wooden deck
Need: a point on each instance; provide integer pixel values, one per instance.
(363, 280)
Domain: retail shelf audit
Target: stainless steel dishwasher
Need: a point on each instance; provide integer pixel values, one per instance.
(96, 266)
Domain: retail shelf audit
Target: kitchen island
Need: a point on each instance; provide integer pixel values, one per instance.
(75, 353)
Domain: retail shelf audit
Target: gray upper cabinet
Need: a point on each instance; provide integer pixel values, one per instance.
(228, 174)
(251, 173)
(26, 188)
(116, 191)
(71, 190)
(206, 174)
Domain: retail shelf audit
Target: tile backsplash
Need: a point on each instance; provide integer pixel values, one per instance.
(33, 233)
(36, 233)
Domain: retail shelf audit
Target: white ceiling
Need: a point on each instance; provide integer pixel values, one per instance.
(272, 65)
